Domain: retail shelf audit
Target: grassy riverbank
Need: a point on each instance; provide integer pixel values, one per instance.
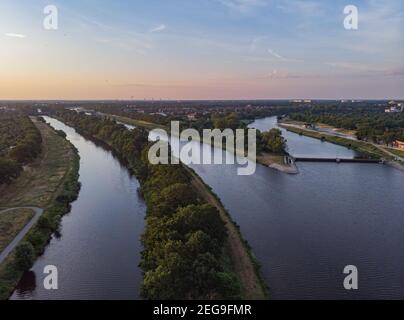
(51, 183)
(359, 146)
(399, 153)
(138, 123)
(11, 223)
(243, 261)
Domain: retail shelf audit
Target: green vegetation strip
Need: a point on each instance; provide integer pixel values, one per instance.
(399, 153)
(20, 144)
(185, 240)
(57, 204)
(359, 146)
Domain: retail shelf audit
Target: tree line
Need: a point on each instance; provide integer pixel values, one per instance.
(370, 122)
(184, 237)
(20, 144)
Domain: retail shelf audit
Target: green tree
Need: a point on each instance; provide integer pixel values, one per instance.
(24, 256)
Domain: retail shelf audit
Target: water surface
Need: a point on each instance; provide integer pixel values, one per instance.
(98, 250)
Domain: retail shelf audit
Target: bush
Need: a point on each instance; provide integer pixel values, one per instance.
(24, 256)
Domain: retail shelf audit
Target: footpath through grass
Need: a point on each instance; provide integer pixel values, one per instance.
(399, 153)
(11, 223)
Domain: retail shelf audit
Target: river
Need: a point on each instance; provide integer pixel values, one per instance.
(98, 250)
(303, 229)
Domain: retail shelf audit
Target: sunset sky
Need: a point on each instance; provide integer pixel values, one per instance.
(201, 49)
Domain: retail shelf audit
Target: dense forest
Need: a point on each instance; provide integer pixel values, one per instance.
(184, 238)
(20, 143)
(370, 123)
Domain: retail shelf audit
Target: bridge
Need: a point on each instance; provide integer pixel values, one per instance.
(291, 160)
(336, 160)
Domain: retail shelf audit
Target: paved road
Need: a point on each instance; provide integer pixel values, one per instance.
(22, 233)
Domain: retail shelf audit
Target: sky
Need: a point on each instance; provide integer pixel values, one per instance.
(201, 49)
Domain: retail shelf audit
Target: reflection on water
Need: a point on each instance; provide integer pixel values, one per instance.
(98, 250)
(304, 229)
(27, 285)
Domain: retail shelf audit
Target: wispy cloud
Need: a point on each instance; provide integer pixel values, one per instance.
(275, 74)
(159, 28)
(243, 5)
(254, 43)
(15, 35)
(304, 8)
(280, 57)
(275, 54)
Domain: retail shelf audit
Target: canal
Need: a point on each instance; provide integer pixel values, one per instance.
(303, 229)
(97, 252)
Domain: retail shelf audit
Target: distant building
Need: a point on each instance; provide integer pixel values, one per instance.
(398, 144)
(310, 126)
(300, 101)
(394, 107)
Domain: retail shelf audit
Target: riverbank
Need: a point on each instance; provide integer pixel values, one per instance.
(243, 260)
(155, 182)
(50, 183)
(11, 223)
(359, 146)
(276, 162)
(270, 160)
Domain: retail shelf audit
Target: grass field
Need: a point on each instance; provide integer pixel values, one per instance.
(138, 123)
(11, 223)
(270, 158)
(39, 181)
(399, 153)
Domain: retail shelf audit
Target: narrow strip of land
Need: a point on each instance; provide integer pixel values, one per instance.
(365, 147)
(270, 160)
(252, 285)
(38, 189)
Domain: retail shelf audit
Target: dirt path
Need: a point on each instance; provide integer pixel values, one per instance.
(241, 259)
(10, 247)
